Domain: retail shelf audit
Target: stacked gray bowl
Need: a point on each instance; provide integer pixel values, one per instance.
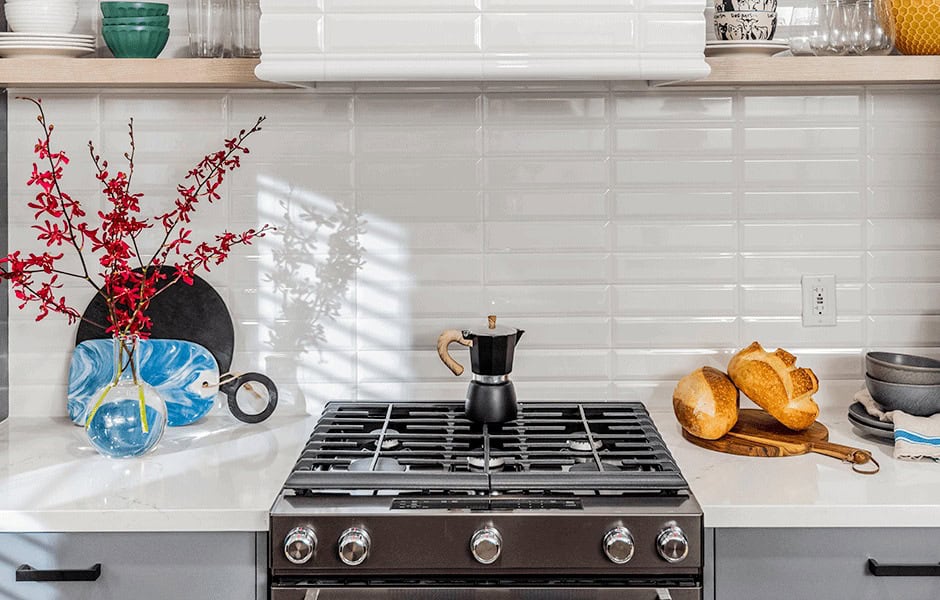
(904, 382)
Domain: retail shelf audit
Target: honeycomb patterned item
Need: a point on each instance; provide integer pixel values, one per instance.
(917, 26)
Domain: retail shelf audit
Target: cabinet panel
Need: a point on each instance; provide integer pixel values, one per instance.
(783, 564)
(138, 566)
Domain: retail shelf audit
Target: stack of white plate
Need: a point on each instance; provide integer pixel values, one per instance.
(32, 45)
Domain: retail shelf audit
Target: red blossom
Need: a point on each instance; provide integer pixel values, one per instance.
(128, 282)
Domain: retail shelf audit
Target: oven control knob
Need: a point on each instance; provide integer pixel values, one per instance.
(619, 546)
(672, 544)
(299, 545)
(486, 544)
(354, 546)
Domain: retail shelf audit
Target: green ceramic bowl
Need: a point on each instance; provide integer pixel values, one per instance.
(161, 21)
(134, 9)
(135, 41)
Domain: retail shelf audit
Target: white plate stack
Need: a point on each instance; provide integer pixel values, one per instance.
(40, 28)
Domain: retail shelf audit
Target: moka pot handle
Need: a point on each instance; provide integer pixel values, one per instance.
(447, 338)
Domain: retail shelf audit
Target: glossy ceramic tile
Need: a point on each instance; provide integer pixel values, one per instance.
(634, 236)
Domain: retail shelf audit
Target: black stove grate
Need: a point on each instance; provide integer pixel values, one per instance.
(415, 447)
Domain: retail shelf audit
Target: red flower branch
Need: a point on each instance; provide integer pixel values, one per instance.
(127, 282)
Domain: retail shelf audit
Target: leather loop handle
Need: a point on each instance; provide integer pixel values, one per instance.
(27, 573)
(447, 338)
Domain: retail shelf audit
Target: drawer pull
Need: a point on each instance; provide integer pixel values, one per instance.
(879, 570)
(27, 573)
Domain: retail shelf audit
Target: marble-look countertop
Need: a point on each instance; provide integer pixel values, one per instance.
(223, 475)
(810, 490)
(216, 475)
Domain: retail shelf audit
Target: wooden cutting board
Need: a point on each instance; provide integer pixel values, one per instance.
(758, 434)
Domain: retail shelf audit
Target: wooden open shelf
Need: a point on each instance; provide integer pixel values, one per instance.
(820, 70)
(239, 72)
(130, 73)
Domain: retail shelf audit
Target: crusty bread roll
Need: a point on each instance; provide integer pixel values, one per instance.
(772, 381)
(706, 403)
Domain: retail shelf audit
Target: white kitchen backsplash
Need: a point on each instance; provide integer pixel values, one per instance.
(634, 236)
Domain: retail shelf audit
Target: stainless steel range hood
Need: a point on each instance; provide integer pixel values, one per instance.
(305, 42)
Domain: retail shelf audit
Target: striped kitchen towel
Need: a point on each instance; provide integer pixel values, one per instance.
(914, 437)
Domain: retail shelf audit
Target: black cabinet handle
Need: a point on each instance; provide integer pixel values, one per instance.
(879, 570)
(27, 573)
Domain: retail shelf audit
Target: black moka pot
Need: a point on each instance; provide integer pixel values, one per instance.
(491, 397)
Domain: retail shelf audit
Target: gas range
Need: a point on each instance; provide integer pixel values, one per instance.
(568, 500)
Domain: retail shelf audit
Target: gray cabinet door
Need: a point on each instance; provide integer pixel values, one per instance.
(134, 566)
(771, 564)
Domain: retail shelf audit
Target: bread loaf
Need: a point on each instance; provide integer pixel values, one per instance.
(706, 403)
(772, 381)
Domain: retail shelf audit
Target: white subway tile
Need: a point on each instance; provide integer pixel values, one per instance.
(293, 109)
(539, 140)
(562, 300)
(515, 108)
(523, 205)
(675, 300)
(903, 298)
(422, 109)
(681, 204)
(802, 204)
(423, 268)
(377, 172)
(674, 141)
(563, 365)
(904, 138)
(665, 237)
(394, 237)
(909, 170)
(421, 205)
(669, 107)
(785, 268)
(586, 236)
(673, 332)
(904, 104)
(801, 107)
(675, 172)
(904, 234)
(521, 172)
(908, 330)
(416, 140)
(801, 236)
(790, 173)
(687, 268)
(789, 331)
(547, 268)
(803, 140)
(168, 107)
(667, 364)
(904, 266)
(899, 201)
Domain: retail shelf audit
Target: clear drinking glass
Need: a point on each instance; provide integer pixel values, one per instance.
(873, 28)
(832, 35)
(246, 19)
(209, 27)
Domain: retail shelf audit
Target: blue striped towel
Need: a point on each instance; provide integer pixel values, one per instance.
(914, 437)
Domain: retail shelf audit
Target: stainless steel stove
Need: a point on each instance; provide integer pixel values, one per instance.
(413, 500)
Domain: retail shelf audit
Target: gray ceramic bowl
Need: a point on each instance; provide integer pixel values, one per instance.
(918, 400)
(902, 368)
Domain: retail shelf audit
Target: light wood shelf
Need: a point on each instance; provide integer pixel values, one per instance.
(239, 72)
(820, 70)
(130, 73)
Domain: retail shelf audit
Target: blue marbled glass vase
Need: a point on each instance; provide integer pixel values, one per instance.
(128, 416)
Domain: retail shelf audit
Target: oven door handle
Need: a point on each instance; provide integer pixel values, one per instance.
(455, 593)
(28, 573)
(879, 570)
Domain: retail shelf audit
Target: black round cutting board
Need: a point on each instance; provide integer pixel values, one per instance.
(189, 313)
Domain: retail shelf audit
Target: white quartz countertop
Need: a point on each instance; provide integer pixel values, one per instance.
(810, 490)
(217, 475)
(223, 475)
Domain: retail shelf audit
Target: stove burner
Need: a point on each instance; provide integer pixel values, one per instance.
(382, 464)
(584, 445)
(389, 443)
(476, 463)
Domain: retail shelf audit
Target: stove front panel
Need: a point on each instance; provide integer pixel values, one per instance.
(536, 542)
